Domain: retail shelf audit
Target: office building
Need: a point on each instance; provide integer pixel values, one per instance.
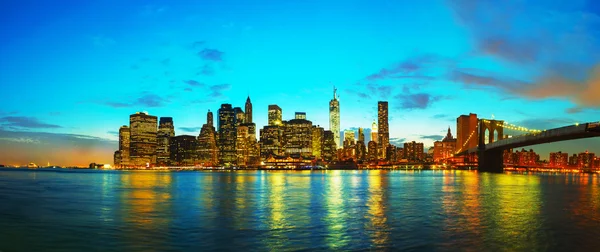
(383, 130)
(183, 150)
(300, 115)
(361, 148)
(275, 115)
(466, 132)
(559, 159)
(165, 132)
(242, 145)
(248, 108)
(349, 138)
(317, 141)
(271, 141)
(374, 132)
(124, 146)
(586, 160)
(297, 137)
(207, 144)
(227, 135)
(444, 149)
(413, 151)
(329, 146)
(143, 129)
(373, 151)
(334, 117)
(240, 116)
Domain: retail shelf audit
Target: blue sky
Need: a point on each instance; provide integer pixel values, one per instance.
(77, 69)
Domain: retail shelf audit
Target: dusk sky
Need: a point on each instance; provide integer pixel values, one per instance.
(73, 71)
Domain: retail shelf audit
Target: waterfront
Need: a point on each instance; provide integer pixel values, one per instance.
(94, 210)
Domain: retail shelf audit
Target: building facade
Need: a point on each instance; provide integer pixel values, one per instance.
(466, 132)
(297, 137)
(317, 141)
(271, 141)
(559, 159)
(275, 115)
(334, 117)
(383, 130)
(165, 132)
(445, 149)
(207, 144)
(227, 135)
(183, 150)
(413, 151)
(143, 129)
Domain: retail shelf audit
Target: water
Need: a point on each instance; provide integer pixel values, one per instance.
(281, 211)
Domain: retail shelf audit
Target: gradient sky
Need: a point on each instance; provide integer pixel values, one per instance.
(73, 71)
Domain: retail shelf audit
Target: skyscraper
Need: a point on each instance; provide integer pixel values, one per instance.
(466, 135)
(297, 137)
(361, 148)
(374, 132)
(348, 138)
(329, 146)
(248, 110)
(227, 135)
(143, 139)
(165, 132)
(240, 116)
(124, 145)
(207, 143)
(383, 129)
(275, 115)
(300, 115)
(182, 150)
(271, 141)
(317, 141)
(334, 117)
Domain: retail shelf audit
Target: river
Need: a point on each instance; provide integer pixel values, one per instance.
(93, 210)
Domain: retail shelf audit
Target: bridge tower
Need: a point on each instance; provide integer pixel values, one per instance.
(490, 160)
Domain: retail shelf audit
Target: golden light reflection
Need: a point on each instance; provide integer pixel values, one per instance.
(376, 213)
(336, 216)
(276, 199)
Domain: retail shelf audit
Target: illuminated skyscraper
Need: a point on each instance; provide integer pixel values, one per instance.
(301, 115)
(271, 141)
(240, 116)
(329, 146)
(466, 135)
(248, 111)
(413, 151)
(275, 115)
(361, 148)
(317, 141)
(143, 139)
(165, 132)
(124, 145)
(182, 150)
(297, 137)
(334, 117)
(242, 145)
(374, 132)
(373, 151)
(383, 129)
(227, 135)
(348, 138)
(207, 143)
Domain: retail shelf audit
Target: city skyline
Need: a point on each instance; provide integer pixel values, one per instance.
(71, 80)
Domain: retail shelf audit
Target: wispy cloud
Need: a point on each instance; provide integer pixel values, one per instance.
(190, 129)
(396, 141)
(206, 70)
(415, 101)
(432, 137)
(147, 100)
(211, 54)
(198, 44)
(25, 122)
(113, 132)
(194, 83)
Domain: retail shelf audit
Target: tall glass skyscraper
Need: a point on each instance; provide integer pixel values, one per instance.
(227, 134)
(165, 132)
(334, 117)
(384, 128)
(143, 139)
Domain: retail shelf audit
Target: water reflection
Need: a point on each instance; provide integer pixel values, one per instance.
(277, 211)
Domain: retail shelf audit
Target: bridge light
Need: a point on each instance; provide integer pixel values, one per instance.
(576, 124)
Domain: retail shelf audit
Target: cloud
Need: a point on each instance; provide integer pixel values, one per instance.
(25, 122)
(153, 10)
(220, 87)
(147, 100)
(441, 116)
(113, 132)
(211, 54)
(187, 90)
(432, 137)
(416, 101)
(151, 100)
(409, 68)
(117, 104)
(545, 123)
(190, 129)
(102, 41)
(194, 83)
(526, 33)
(397, 141)
(361, 95)
(574, 110)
